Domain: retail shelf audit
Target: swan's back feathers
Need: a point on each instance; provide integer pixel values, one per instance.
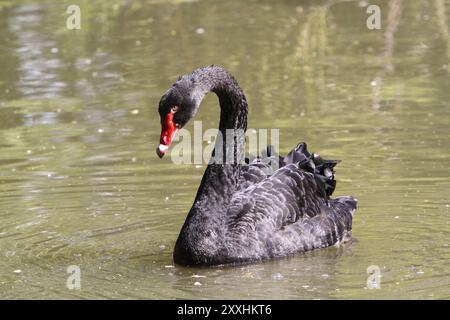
(322, 169)
(258, 168)
(287, 211)
(261, 167)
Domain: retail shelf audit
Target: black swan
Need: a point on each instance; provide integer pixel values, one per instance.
(242, 213)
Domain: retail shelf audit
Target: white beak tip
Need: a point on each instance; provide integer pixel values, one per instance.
(161, 150)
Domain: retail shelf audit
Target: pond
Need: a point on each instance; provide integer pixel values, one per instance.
(81, 184)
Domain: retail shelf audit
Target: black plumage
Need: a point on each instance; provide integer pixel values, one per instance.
(244, 213)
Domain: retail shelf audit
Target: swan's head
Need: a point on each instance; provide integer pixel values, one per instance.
(176, 108)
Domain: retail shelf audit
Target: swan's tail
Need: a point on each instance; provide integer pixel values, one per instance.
(344, 208)
(349, 203)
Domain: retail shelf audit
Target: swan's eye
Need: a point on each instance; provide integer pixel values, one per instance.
(174, 109)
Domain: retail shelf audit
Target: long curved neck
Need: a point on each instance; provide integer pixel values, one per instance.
(233, 104)
(205, 221)
(222, 173)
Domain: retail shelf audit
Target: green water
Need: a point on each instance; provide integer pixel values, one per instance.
(80, 183)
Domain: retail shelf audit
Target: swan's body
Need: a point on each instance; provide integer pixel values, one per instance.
(241, 213)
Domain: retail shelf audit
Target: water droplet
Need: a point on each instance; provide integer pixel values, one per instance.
(100, 130)
(299, 9)
(200, 31)
(197, 283)
(54, 50)
(363, 4)
(135, 111)
(17, 271)
(277, 276)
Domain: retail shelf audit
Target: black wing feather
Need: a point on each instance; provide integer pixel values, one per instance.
(289, 210)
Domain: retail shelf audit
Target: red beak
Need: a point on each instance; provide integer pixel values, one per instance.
(168, 130)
